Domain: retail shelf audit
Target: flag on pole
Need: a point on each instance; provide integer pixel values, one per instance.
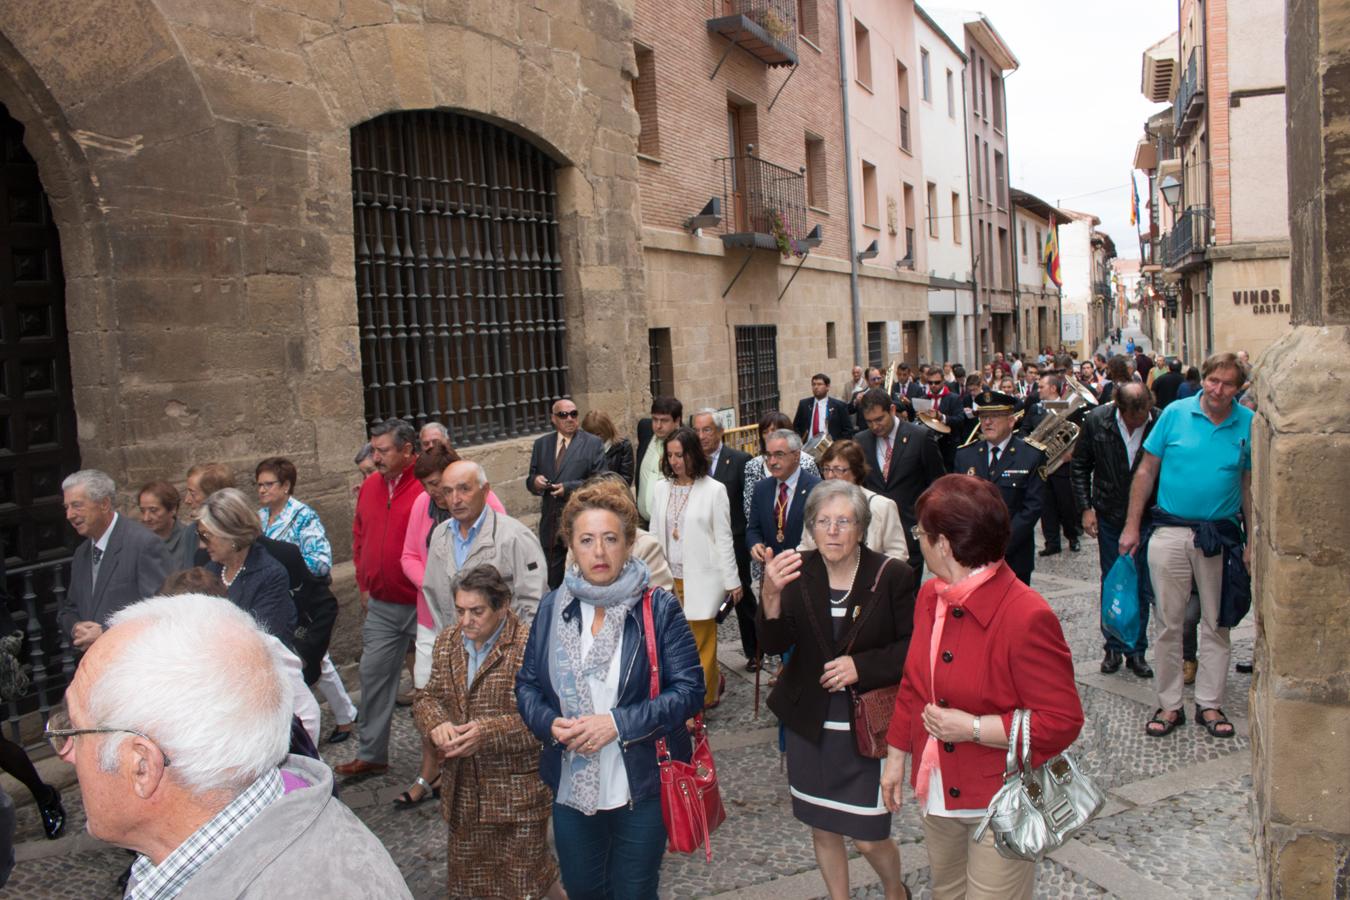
(1051, 255)
(1134, 201)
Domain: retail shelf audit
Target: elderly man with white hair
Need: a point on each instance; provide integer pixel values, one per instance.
(119, 562)
(178, 722)
(433, 433)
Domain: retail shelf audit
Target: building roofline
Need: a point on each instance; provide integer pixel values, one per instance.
(923, 14)
(994, 43)
(1033, 204)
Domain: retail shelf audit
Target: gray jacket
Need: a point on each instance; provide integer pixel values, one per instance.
(502, 542)
(307, 842)
(135, 564)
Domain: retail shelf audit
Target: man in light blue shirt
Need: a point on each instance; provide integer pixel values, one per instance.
(1199, 454)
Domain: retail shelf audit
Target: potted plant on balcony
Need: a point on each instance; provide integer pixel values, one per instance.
(774, 24)
(782, 236)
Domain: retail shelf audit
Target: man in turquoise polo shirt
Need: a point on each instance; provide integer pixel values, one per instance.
(1199, 454)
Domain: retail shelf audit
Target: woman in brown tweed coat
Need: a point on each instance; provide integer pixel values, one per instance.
(496, 807)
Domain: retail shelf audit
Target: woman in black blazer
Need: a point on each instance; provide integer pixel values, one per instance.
(618, 450)
(848, 611)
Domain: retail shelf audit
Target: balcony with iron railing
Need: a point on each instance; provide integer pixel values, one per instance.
(1184, 246)
(1190, 104)
(1101, 288)
(766, 29)
(765, 205)
(908, 261)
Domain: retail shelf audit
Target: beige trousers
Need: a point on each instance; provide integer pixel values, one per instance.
(960, 869)
(1173, 561)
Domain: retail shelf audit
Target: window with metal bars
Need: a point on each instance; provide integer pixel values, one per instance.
(661, 374)
(756, 371)
(458, 275)
(876, 345)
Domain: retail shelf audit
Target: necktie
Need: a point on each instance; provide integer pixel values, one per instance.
(780, 510)
(557, 460)
(886, 466)
(815, 420)
(993, 459)
(98, 559)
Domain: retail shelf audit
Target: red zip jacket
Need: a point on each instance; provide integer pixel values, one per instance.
(377, 537)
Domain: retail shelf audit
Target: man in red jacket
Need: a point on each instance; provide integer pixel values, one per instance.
(390, 624)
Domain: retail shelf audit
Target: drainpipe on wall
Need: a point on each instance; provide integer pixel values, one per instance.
(858, 353)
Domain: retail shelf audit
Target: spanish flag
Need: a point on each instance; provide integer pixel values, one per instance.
(1051, 259)
(1134, 201)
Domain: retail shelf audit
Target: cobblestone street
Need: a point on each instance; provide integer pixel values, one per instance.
(1177, 819)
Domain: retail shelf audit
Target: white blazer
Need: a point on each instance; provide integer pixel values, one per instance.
(709, 554)
(885, 534)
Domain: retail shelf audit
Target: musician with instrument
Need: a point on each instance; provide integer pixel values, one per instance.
(903, 388)
(821, 416)
(945, 416)
(1060, 512)
(1013, 466)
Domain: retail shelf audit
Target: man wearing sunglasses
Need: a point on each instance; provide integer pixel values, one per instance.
(559, 463)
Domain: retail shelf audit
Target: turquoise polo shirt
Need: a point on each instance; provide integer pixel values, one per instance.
(1200, 476)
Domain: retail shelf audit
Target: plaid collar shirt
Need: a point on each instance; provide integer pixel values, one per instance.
(151, 882)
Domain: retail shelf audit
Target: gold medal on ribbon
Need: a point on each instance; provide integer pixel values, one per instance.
(781, 537)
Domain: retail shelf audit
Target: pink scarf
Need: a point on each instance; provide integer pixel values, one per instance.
(948, 595)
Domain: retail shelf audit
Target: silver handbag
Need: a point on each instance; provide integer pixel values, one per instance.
(1038, 810)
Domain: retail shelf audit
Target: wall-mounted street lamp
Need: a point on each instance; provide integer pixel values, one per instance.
(708, 217)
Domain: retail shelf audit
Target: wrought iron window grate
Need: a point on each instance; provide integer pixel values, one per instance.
(459, 275)
(756, 371)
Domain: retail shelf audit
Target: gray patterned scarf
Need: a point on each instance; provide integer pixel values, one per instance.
(579, 786)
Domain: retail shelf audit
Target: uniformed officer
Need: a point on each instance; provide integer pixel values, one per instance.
(1013, 465)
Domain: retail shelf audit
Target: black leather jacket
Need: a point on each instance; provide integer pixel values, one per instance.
(1101, 472)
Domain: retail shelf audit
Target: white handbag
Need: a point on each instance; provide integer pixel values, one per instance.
(1038, 810)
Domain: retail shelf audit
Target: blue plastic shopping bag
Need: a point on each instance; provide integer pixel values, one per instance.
(1120, 602)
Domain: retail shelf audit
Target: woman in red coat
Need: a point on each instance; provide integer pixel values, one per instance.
(984, 645)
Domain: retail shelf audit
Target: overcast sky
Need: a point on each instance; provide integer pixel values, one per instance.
(1075, 111)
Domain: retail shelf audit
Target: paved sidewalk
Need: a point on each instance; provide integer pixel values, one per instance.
(1177, 820)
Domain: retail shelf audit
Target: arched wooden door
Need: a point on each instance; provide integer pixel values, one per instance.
(38, 443)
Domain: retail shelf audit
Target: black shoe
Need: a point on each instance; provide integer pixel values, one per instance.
(1244, 668)
(1050, 551)
(338, 735)
(1111, 662)
(53, 814)
(752, 665)
(1136, 664)
(1074, 545)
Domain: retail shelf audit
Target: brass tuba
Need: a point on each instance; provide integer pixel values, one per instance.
(1060, 429)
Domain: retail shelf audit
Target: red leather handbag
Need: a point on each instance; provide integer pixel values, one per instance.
(691, 802)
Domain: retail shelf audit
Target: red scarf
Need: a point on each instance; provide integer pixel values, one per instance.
(940, 394)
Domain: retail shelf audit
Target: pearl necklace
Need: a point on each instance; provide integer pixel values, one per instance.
(229, 581)
(857, 561)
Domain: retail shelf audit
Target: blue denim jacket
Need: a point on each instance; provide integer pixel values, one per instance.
(1223, 536)
(640, 719)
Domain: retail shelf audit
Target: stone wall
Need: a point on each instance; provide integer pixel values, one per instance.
(197, 159)
(1301, 450)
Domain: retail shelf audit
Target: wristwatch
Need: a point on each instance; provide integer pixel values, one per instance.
(975, 727)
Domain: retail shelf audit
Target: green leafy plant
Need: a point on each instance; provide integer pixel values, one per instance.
(782, 236)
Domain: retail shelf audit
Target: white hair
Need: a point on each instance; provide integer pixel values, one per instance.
(480, 472)
(794, 440)
(202, 681)
(436, 427)
(97, 485)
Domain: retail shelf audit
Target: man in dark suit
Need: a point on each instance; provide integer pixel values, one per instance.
(875, 381)
(119, 563)
(778, 504)
(820, 413)
(727, 465)
(903, 459)
(905, 389)
(667, 415)
(1013, 466)
(559, 463)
